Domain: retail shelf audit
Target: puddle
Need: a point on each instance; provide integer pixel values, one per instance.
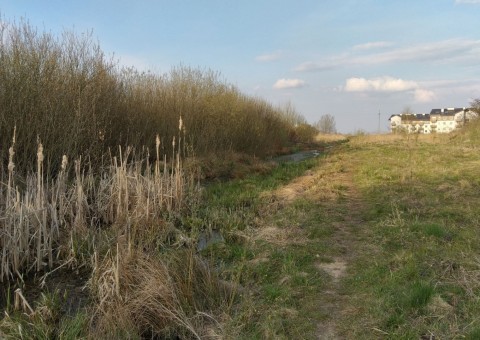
(208, 238)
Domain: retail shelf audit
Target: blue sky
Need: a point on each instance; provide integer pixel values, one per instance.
(349, 58)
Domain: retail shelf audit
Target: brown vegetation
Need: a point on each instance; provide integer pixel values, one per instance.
(66, 92)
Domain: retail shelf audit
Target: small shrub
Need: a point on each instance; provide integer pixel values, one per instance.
(420, 295)
(435, 230)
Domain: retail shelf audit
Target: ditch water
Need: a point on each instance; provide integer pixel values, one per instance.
(208, 238)
(298, 156)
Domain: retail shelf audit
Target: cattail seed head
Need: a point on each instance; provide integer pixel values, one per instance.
(11, 165)
(64, 162)
(180, 124)
(157, 141)
(14, 134)
(40, 152)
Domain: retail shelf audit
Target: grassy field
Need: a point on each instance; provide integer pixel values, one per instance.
(375, 238)
(417, 273)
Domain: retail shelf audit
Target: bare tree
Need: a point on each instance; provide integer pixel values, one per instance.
(291, 116)
(407, 110)
(326, 124)
(476, 105)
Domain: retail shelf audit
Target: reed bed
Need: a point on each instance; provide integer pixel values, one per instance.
(38, 215)
(135, 290)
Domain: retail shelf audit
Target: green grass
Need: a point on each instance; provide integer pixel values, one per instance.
(47, 322)
(420, 276)
(282, 279)
(243, 191)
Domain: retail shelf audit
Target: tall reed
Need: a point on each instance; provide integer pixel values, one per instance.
(128, 192)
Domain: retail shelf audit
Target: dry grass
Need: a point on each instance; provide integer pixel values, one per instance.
(330, 137)
(293, 235)
(315, 184)
(294, 190)
(392, 138)
(143, 295)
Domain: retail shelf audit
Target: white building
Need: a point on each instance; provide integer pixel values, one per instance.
(438, 120)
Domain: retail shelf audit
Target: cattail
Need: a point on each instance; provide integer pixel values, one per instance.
(180, 124)
(157, 146)
(64, 162)
(14, 134)
(40, 153)
(11, 152)
(11, 165)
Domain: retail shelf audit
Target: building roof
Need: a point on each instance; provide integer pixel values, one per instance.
(451, 111)
(414, 116)
(422, 116)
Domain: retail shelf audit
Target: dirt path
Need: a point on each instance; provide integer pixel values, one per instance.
(332, 186)
(333, 304)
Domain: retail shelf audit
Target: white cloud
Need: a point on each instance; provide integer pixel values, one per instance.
(311, 66)
(269, 57)
(382, 84)
(372, 45)
(434, 51)
(424, 96)
(452, 50)
(288, 84)
(467, 1)
(391, 85)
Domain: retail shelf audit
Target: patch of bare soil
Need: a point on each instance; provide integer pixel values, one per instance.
(281, 236)
(335, 269)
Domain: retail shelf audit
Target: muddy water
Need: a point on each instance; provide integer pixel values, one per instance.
(297, 157)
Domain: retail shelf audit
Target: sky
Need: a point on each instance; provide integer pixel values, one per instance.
(357, 60)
